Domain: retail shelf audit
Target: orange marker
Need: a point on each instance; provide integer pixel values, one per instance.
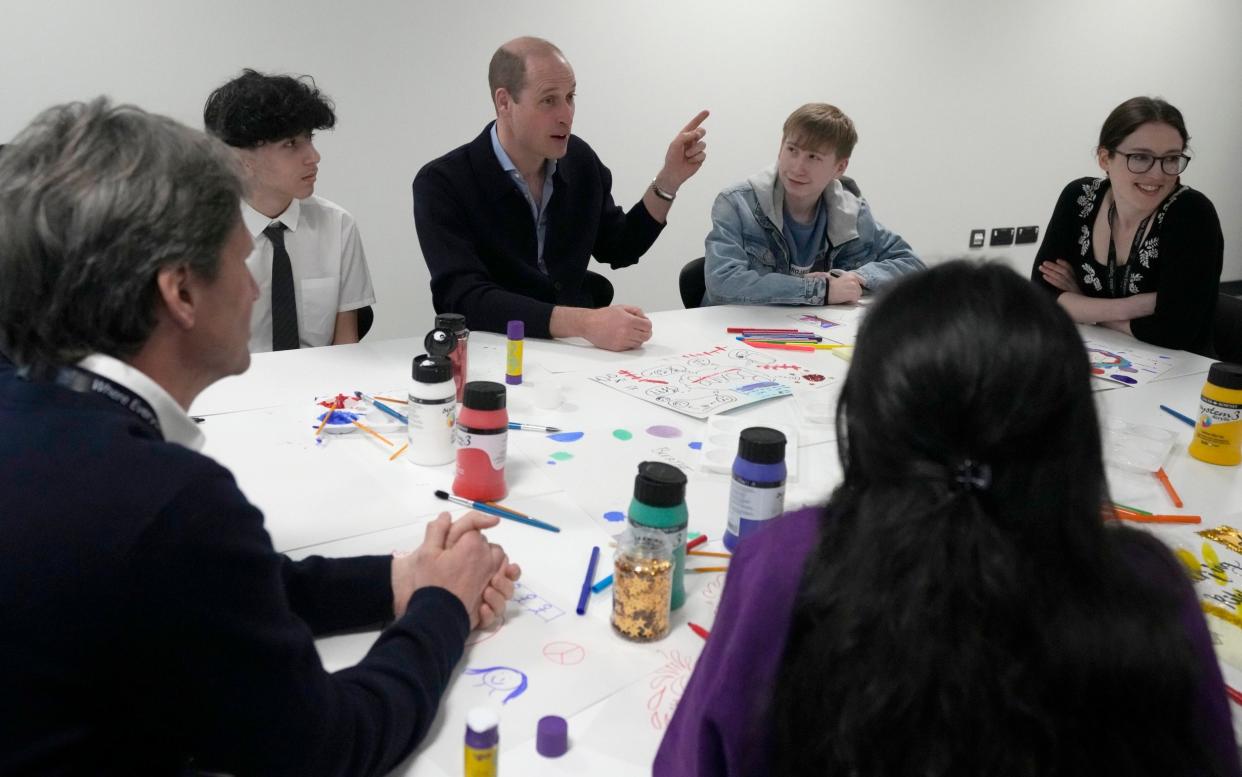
(1168, 486)
(708, 569)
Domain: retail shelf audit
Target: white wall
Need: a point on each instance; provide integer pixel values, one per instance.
(972, 113)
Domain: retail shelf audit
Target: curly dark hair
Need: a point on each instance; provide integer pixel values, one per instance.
(994, 626)
(256, 108)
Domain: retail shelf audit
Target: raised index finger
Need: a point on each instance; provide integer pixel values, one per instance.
(696, 121)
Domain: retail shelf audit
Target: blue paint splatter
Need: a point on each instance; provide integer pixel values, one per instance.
(551, 462)
(696, 445)
(614, 516)
(1124, 379)
(339, 417)
(566, 436)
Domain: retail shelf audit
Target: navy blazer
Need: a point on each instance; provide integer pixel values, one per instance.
(478, 236)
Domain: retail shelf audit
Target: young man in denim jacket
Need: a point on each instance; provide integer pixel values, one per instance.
(794, 234)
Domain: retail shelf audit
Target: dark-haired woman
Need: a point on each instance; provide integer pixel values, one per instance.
(1137, 251)
(960, 606)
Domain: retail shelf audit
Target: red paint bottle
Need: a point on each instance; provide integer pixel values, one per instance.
(482, 437)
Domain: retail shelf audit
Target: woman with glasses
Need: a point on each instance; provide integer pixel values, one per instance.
(960, 607)
(1137, 251)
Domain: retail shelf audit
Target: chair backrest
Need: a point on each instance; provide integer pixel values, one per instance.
(692, 284)
(1227, 328)
(366, 317)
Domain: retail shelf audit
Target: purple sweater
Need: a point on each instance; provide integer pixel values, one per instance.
(719, 727)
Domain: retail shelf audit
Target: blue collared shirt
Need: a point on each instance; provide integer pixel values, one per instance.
(538, 211)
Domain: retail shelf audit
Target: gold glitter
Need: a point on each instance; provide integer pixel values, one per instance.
(1226, 535)
(641, 591)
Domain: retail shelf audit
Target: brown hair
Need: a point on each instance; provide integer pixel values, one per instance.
(1136, 112)
(822, 126)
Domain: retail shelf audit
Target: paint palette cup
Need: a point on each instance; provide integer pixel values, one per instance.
(1136, 447)
(816, 404)
(720, 444)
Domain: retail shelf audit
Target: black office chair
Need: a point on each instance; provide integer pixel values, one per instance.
(1227, 328)
(598, 289)
(366, 317)
(693, 284)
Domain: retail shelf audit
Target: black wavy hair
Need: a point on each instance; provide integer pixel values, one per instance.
(256, 108)
(967, 611)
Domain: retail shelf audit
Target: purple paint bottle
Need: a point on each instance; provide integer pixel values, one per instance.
(758, 491)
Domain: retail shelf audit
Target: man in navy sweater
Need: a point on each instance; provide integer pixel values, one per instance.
(148, 626)
(508, 222)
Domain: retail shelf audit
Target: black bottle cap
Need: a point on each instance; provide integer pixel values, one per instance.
(1225, 375)
(761, 445)
(484, 395)
(454, 322)
(432, 369)
(659, 485)
(440, 342)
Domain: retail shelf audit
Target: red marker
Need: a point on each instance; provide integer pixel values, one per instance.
(704, 633)
(697, 541)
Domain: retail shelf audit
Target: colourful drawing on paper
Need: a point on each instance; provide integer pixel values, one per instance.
(535, 604)
(712, 381)
(501, 679)
(815, 320)
(566, 436)
(614, 516)
(562, 456)
(668, 683)
(623, 434)
(1128, 367)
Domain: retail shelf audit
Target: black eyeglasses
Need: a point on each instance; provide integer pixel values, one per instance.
(1174, 164)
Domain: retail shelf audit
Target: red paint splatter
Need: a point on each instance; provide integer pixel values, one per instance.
(779, 367)
(814, 378)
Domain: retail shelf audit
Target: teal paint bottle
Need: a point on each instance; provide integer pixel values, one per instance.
(660, 503)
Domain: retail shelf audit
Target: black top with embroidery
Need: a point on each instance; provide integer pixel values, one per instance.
(1180, 260)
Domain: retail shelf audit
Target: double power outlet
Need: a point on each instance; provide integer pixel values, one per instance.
(1004, 236)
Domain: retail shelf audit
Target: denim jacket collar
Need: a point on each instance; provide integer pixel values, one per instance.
(842, 206)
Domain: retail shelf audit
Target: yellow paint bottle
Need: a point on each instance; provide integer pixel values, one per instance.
(1218, 429)
(482, 743)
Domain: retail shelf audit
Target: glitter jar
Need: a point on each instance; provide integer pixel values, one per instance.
(642, 584)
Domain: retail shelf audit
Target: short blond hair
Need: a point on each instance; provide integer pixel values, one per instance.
(821, 127)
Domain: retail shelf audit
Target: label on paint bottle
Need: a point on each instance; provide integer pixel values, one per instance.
(493, 442)
(751, 504)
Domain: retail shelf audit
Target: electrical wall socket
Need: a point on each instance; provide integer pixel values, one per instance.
(1027, 235)
(976, 238)
(1002, 236)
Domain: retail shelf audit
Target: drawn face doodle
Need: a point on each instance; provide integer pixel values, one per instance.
(502, 679)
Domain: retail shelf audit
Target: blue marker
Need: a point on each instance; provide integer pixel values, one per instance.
(586, 584)
(1177, 415)
(602, 584)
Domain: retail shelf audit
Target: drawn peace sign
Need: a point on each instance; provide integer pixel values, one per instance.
(564, 653)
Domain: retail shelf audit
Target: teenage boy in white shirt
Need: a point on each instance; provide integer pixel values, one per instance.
(270, 121)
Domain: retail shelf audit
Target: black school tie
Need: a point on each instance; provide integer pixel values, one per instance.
(284, 306)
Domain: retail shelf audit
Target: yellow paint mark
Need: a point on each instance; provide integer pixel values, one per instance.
(1213, 563)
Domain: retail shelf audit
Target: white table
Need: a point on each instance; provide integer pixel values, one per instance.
(345, 497)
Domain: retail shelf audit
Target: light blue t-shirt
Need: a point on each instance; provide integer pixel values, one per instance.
(537, 210)
(805, 240)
